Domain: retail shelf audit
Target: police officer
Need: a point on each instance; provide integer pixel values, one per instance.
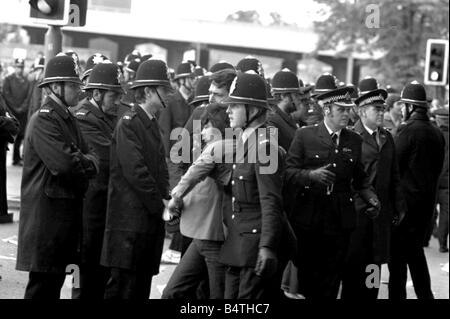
(420, 149)
(324, 166)
(104, 91)
(15, 92)
(138, 190)
(254, 250)
(35, 93)
(286, 92)
(370, 241)
(9, 126)
(57, 168)
(92, 61)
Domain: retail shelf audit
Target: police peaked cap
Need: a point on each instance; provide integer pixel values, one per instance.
(185, 69)
(61, 68)
(325, 83)
(340, 96)
(414, 93)
(248, 88)
(285, 81)
(201, 92)
(104, 76)
(92, 61)
(367, 84)
(221, 65)
(151, 73)
(375, 98)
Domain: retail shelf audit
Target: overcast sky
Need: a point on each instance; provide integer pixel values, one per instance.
(292, 11)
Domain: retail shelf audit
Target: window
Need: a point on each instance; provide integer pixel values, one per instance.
(123, 6)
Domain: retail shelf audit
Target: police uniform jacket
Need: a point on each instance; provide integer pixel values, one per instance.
(134, 231)
(285, 124)
(312, 205)
(258, 219)
(420, 149)
(380, 163)
(54, 181)
(97, 130)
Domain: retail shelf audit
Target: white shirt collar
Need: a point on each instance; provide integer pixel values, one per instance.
(368, 129)
(94, 103)
(148, 113)
(330, 131)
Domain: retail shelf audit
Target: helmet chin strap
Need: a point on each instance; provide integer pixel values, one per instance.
(62, 97)
(248, 120)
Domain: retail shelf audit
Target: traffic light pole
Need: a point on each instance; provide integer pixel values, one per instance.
(53, 41)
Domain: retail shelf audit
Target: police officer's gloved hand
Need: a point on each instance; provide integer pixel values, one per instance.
(398, 217)
(322, 175)
(11, 125)
(374, 210)
(88, 163)
(267, 263)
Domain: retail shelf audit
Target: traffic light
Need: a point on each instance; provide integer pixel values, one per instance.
(52, 12)
(436, 62)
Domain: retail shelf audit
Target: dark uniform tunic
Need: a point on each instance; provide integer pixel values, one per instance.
(323, 218)
(285, 124)
(97, 130)
(9, 127)
(420, 149)
(134, 232)
(370, 242)
(257, 220)
(15, 92)
(54, 180)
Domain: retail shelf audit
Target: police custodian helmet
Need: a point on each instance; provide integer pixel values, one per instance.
(248, 88)
(285, 81)
(61, 68)
(151, 73)
(104, 76)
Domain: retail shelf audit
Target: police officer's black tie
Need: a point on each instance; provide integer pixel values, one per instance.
(334, 138)
(374, 135)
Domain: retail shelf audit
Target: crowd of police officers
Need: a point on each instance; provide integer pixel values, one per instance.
(347, 193)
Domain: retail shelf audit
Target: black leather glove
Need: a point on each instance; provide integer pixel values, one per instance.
(375, 207)
(322, 175)
(397, 218)
(267, 263)
(11, 125)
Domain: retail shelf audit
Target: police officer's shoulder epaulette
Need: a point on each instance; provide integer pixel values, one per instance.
(45, 110)
(81, 112)
(128, 116)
